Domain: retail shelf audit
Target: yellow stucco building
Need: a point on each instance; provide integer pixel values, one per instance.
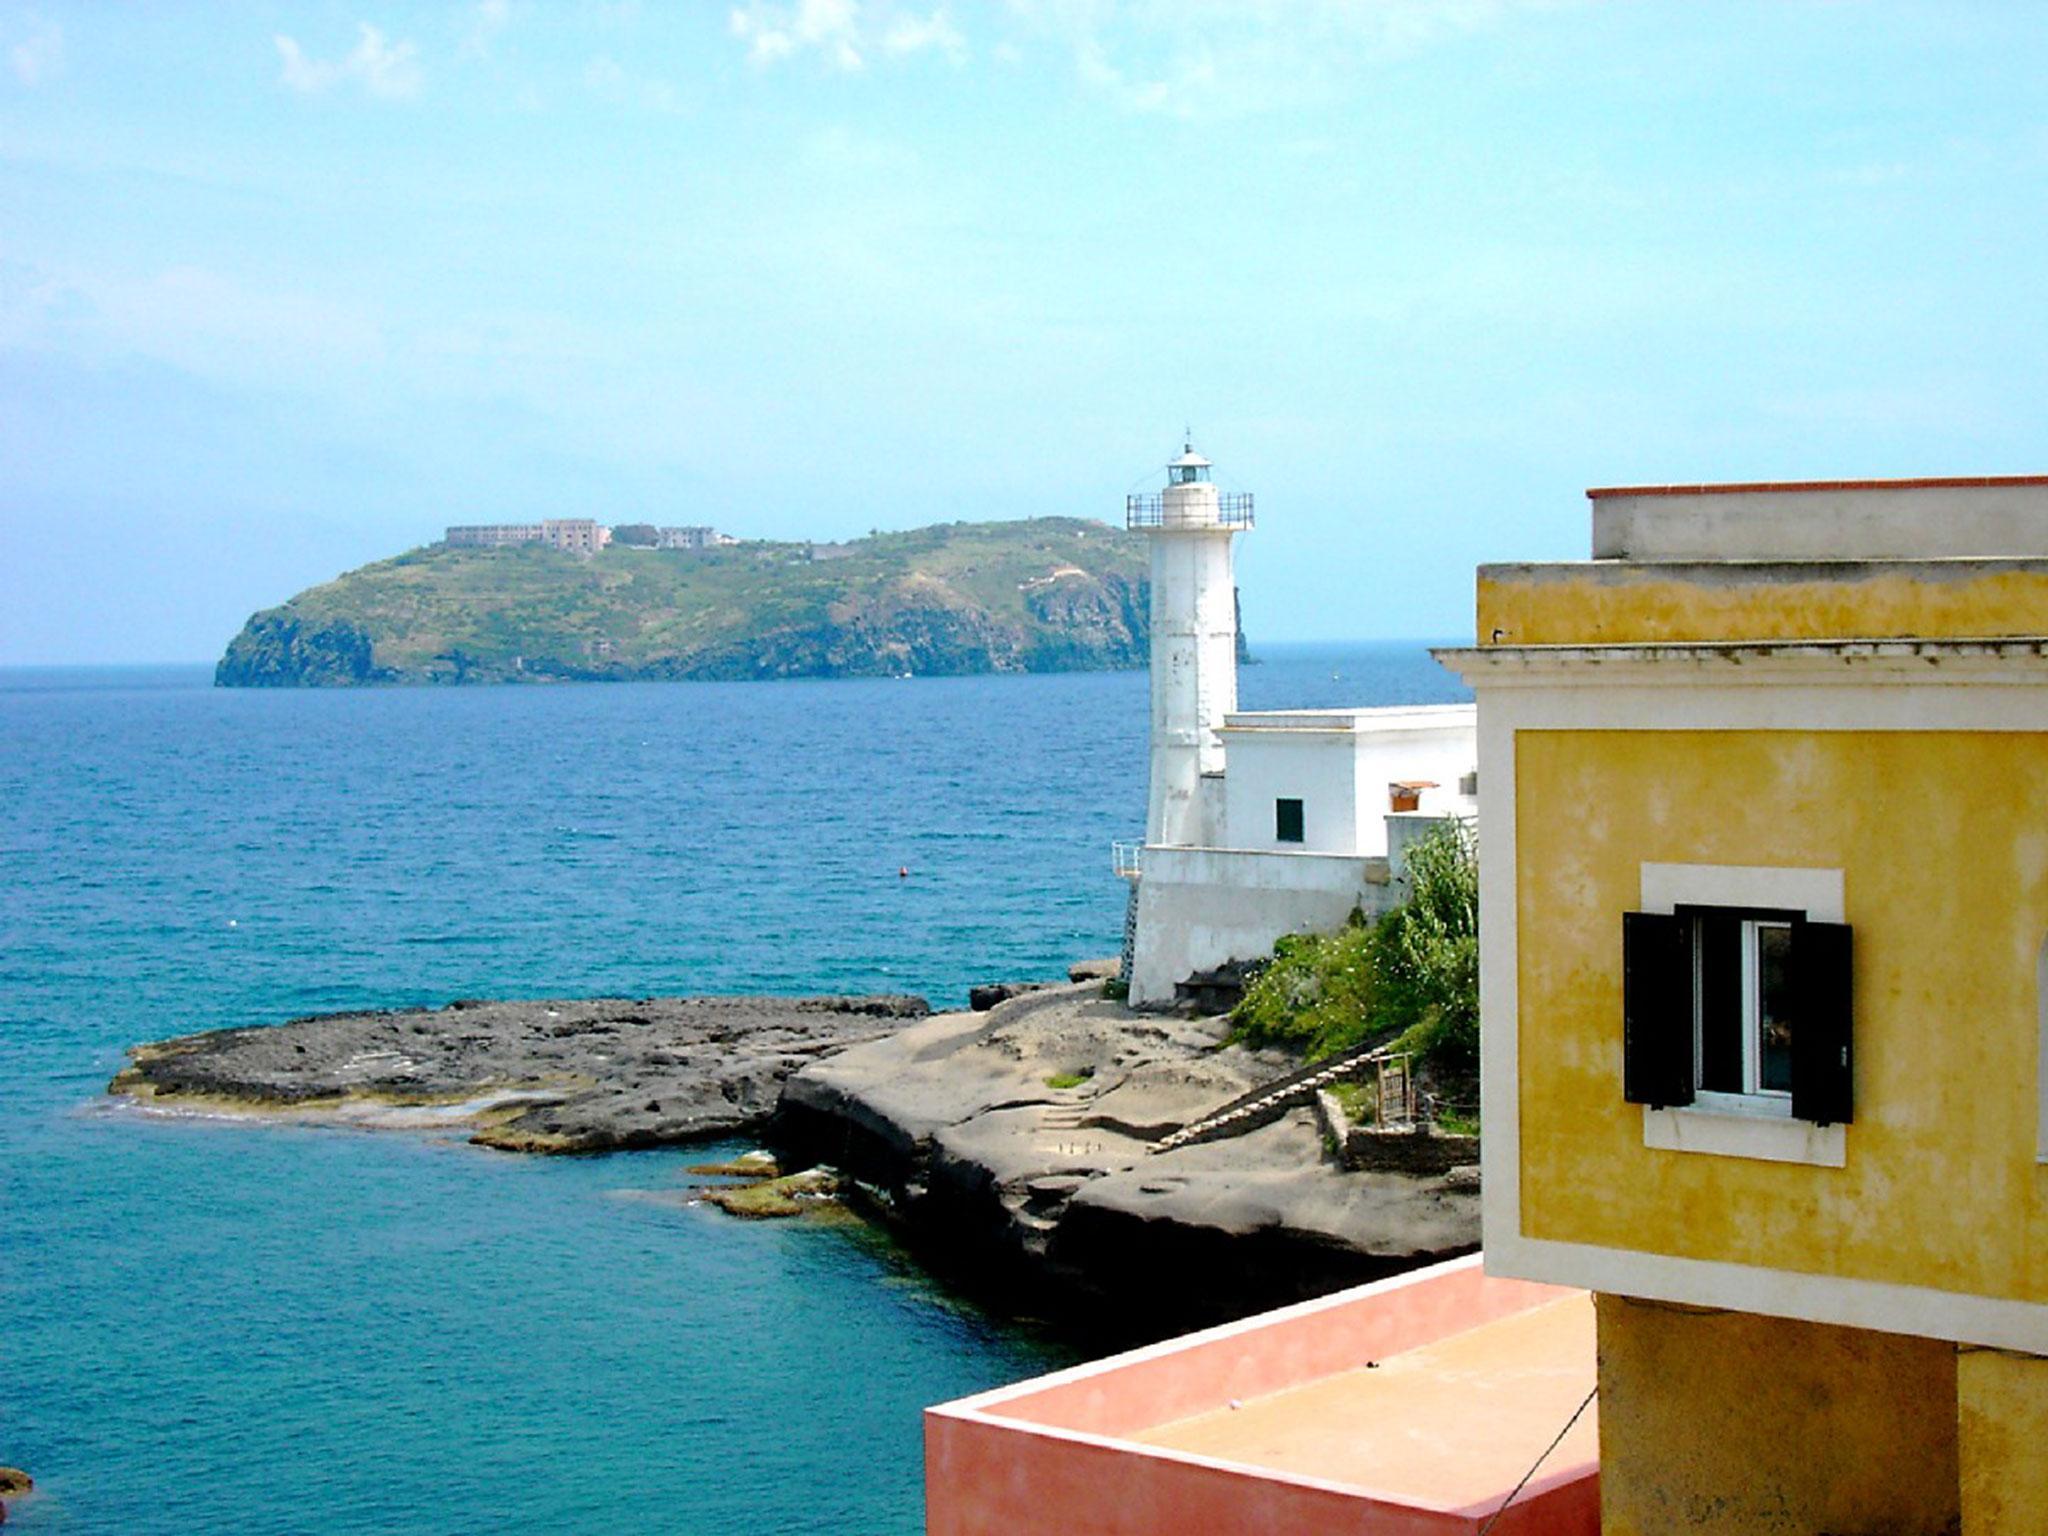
(1764, 865)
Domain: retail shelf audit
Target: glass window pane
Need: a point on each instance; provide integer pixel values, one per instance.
(1774, 1007)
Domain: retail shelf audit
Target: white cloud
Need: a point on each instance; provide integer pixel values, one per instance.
(774, 31)
(379, 66)
(915, 34)
(1218, 57)
(611, 81)
(40, 55)
(487, 19)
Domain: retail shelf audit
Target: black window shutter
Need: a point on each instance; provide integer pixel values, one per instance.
(1822, 1040)
(1656, 1009)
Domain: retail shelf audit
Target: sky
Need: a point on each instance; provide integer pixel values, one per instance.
(285, 288)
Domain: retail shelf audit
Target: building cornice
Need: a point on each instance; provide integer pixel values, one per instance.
(1752, 487)
(2012, 659)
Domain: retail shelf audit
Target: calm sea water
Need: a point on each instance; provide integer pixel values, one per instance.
(211, 1326)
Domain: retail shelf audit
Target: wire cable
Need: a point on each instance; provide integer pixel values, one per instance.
(1516, 1493)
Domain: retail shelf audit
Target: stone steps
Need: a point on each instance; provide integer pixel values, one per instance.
(1264, 1105)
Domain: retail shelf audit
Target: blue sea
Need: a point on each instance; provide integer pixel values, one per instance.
(213, 1326)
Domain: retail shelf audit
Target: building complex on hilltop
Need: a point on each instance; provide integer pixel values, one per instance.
(1268, 823)
(575, 535)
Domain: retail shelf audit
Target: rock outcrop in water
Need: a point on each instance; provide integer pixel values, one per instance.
(586, 1076)
(1009, 1148)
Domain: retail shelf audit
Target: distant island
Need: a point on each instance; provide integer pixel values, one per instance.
(1050, 594)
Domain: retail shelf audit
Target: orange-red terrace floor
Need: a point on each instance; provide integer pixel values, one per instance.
(1411, 1407)
(1405, 1426)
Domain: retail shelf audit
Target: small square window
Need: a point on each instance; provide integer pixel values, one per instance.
(1287, 821)
(1737, 1009)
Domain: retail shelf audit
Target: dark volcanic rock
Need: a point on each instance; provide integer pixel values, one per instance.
(1011, 1150)
(1219, 989)
(981, 999)
(584, 1076)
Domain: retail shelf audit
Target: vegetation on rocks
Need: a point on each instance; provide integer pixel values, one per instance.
(1049, 594)
(1411, 979)
(789, 1195)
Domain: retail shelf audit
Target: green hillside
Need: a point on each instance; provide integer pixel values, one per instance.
(1049, 594)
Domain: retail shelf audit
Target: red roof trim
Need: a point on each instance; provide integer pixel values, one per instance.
(1930, 482)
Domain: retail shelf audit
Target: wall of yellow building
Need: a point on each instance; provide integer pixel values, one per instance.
(1946, 875)
(1729, 1424)
(2002, 1440)
(1624, 604)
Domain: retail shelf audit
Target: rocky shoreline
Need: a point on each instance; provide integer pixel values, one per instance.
(1010, 1149)
(590, 1075)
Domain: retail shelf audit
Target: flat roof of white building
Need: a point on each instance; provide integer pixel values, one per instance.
(1390, 717)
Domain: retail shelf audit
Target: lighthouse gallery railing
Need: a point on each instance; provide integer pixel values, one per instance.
(1233, 510)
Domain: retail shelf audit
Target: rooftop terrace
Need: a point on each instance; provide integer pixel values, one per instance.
(1411, 1407)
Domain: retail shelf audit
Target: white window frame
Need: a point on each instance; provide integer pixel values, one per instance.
(1755, 1125)
(1754, 1099)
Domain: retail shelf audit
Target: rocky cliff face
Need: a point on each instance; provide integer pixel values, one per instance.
(279, 650)
(1099, 628)
(1047, 595)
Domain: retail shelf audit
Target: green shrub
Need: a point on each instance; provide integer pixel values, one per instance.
(1412, 978)
(1317, 994)
(1427, 955)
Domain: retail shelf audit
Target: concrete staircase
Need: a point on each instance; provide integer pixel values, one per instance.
(1262, 1106)
(1060, 1116)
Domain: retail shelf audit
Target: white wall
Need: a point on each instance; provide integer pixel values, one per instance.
(1194, 676)
(1199, 907)
(1318, 768)
(1442, 751)
(1338, 763)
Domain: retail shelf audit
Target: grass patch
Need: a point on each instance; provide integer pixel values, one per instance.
(1360, 1105)
(1070, 1079)
(1457, 1122)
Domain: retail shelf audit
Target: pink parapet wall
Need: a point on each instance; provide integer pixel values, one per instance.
(1405, 1408)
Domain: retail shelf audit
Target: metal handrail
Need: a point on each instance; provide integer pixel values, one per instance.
(1125, 858)
(1233, 510)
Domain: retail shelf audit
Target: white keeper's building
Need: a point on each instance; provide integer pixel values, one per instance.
(1260, 824)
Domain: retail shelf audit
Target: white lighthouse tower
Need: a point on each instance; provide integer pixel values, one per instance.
(1194, 646)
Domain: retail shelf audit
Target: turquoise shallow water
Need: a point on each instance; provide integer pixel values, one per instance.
(211, 1326)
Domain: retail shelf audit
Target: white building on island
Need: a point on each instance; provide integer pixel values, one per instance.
(1260, 824)
(576, 535)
